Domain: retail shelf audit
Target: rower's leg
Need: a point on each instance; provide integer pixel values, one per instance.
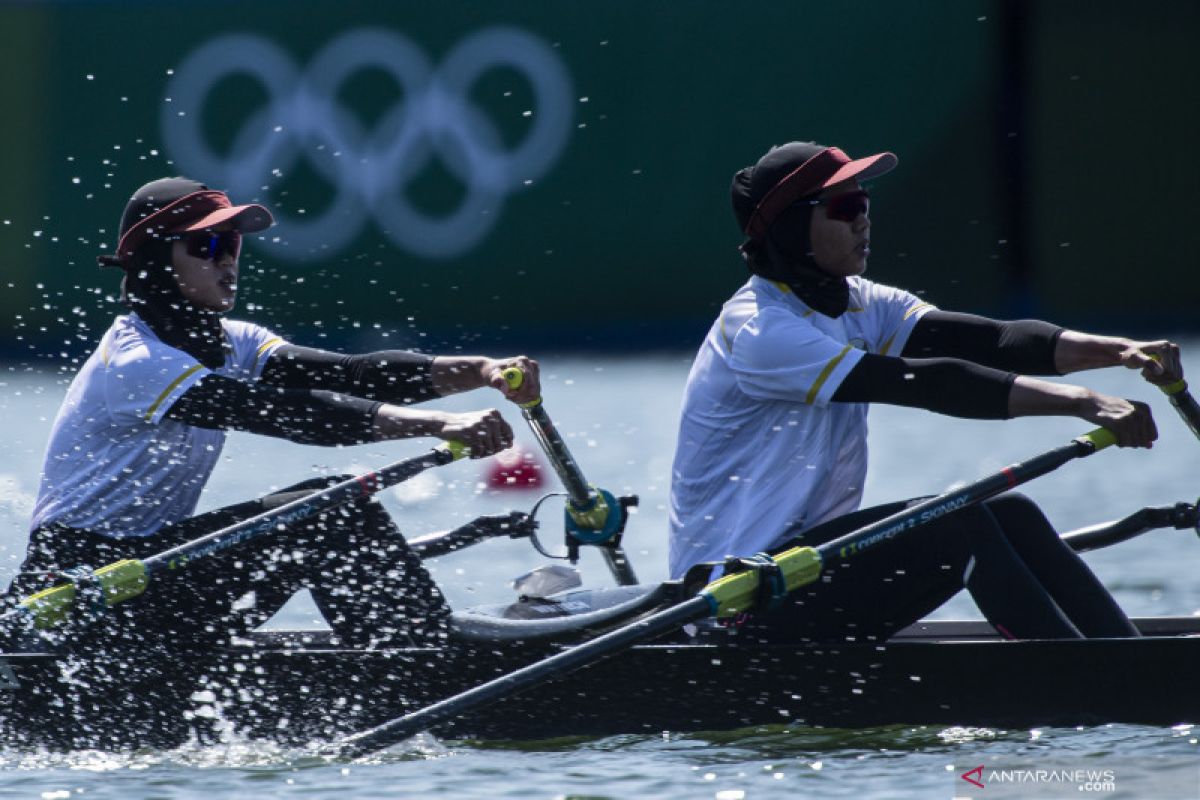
(1010, 596)
(1066, 577)
(370, 586)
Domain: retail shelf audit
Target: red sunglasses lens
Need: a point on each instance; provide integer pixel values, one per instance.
(846, 207)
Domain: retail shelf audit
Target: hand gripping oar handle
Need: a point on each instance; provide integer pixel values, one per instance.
(591, 509)
(728, 595)
(126, 579)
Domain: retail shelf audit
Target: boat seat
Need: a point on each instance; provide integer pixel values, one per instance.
(583, 612)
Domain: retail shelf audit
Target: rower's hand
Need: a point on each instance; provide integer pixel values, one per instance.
(531, 385)
(485, 433)
(1129, 421)
(1159, 362)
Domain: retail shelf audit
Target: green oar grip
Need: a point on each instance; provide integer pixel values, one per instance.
(514, 377)
(119, 581)
(733, 594)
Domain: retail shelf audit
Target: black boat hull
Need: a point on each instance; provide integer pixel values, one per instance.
(297, 688)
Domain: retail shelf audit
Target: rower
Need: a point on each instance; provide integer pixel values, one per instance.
(145, 418)
(772, 446)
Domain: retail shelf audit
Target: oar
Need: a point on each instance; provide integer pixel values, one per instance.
(725, 597)
(596, 514)
(123, 580)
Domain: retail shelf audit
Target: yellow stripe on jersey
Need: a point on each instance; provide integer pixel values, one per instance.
(883, 351)
(825, 373)
(916, 308)
(262, 348)
(166, 392)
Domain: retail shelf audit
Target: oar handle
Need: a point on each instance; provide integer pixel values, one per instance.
(514, 377)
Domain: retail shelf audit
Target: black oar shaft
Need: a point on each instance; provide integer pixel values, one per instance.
(561, 663)
(560, 457)
(731, 593)
(339, 494)
(1185, 404)
(935, 507)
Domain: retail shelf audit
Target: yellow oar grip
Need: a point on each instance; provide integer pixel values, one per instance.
(120, 581)
(1175, 388)
(514, 377)
(457, 449)
(733, 594)
(1099, 438)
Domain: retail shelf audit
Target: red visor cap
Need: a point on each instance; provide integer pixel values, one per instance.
(827, 168)
(197, 211)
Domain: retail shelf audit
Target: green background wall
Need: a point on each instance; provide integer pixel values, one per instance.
(1043, 161)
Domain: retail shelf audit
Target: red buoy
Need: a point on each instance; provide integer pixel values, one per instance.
(515, 468)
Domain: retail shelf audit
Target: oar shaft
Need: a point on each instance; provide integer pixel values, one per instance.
(560, 457)
(409, 725)
(1179, 397)
(339, 494)
(983, 489)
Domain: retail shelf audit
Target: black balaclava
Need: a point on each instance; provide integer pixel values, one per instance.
(779, 246)
(785, 254)
(149, 288)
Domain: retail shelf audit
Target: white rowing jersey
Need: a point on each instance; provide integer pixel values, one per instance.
(115, 464)
(761, 449)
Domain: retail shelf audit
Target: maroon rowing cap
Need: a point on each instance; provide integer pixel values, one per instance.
(171, 206)
(792, 171)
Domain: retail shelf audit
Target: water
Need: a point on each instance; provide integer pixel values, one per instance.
(619, 416)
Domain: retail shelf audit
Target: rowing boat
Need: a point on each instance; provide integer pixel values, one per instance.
(631, 659)
(297, 687)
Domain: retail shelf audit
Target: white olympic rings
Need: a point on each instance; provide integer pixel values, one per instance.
(370, 169)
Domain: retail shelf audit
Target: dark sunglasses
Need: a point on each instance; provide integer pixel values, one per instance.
(845, 207)
(211, 245)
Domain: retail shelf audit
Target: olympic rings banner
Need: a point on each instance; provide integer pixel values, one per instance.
(556, 174)
(369, 170)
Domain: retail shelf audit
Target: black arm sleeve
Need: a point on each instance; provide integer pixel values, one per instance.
(945, 385)
(1025, 346)
(393, 376)
(302, 416)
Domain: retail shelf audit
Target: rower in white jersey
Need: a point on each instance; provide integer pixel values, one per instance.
(772, 446)
(143, 422)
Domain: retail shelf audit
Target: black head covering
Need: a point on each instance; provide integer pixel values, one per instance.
(779, 246)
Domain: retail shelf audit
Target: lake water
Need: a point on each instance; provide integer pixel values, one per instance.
(619, 417)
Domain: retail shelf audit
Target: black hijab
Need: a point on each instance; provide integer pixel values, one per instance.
(150, 290)
(785, 253)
